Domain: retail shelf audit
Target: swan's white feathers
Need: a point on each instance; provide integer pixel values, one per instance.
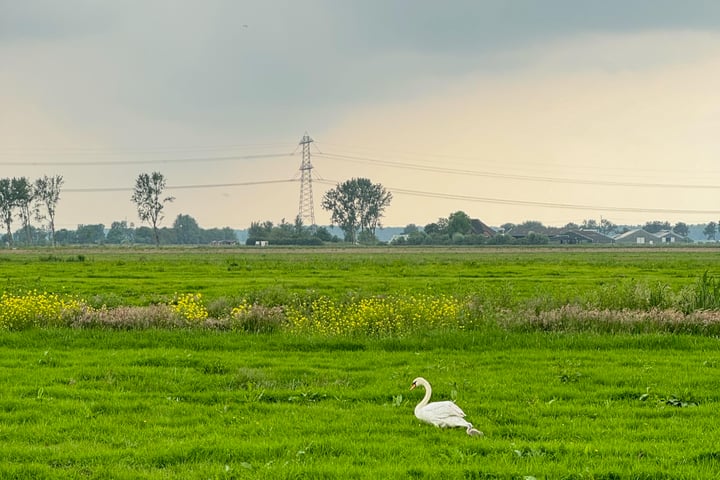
(442, 414)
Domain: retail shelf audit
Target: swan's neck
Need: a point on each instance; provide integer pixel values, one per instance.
(426, 398)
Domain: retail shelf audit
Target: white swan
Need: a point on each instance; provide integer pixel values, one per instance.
(441, 414)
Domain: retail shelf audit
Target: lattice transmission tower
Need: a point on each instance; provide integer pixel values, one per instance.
(306, 209)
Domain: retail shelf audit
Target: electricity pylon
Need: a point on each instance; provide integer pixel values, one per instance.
(306, 209)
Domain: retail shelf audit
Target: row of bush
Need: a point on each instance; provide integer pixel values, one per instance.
(622, 307)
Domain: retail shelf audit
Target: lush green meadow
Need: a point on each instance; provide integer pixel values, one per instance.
(132, 276)
(205, 404)
(554, 399)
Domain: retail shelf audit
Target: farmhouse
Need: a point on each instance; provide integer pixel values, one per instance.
(638, 236)
(520, 232)
(581, 236)
(668, 236)
(479, 228)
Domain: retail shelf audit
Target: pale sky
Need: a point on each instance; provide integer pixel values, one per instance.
(509, 110)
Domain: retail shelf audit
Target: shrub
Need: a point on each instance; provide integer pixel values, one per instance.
(129, 317)
(254, 318)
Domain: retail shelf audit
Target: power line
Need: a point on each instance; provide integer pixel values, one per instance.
(145, 161)
(507, 176)
(179, 187)
(524, 164)
(97, 151)
(500, 201)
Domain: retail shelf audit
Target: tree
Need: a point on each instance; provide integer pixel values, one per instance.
(431, 228)
(656, 226)
(119, 233)
(607, 227)
(710, 230)
(144, 235)
(7, 205)
(259, 231)
(47, 194)
(187, 230)
(147, 196)
(23, 195)
(533, 226)
(218, 234)
(459, 222)
(682, 229)
(357, 206)
(410, 228)
(590, 224)
(91, 234)
(66, 237)
(323, 234)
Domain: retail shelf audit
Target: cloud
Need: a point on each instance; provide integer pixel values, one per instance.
(553, 88)
(620, 118)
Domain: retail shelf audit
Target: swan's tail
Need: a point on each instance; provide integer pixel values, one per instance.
(473, 432)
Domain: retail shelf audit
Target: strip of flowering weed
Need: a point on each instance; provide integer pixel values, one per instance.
(33, 309)
(392, 315)
(190, 307)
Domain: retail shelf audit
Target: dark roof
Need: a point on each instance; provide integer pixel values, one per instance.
(590, 236)
(521, 231)
(479, 228)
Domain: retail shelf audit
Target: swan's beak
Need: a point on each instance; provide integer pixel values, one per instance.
(412, 387)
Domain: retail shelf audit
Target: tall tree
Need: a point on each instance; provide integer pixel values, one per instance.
(357, 205)
(47, 194)
(7, 205)
(147, 195)
(24, 195)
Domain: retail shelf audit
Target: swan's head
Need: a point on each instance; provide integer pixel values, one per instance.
(418, 382)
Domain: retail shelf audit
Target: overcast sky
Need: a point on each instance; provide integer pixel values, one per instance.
(509, 110)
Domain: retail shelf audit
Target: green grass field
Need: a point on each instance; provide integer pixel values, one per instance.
(129, 276)
(204, 403)
(199, 404)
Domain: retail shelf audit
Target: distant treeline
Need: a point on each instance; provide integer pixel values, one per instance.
(185, 231)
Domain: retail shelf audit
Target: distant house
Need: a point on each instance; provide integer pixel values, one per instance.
(580, 236)
(479, 228)
(668, 236)
(638, 236)
(522, 231)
